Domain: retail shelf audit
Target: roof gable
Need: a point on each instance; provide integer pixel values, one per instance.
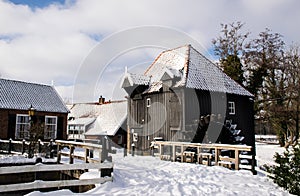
(21, 95)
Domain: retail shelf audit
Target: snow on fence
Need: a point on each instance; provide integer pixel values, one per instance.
(20, 147)
(38, 184)
(105, 168)
(204, 153)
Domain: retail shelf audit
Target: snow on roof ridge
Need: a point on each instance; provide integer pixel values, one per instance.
(163, 52)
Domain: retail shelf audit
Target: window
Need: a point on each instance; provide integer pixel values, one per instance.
(231, 107)
(148, 102)
(50, 127)
(76, 131)
(22, 126)
(120, 139)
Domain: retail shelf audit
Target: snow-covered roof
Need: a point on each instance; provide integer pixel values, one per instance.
(21, 95)
(192, 70)
(131, 79)
(109, 116)
(81, 121)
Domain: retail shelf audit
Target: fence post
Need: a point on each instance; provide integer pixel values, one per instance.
(104, 153)
(39, 146)
(58, 153)
(132, 149)
(23, 146)
(51, 148)
(124, 151)
(10, 146)
(71, 158)
(87, 152)
(237, 159)
(253, 161)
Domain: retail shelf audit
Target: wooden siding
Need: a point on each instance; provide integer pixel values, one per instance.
(175, 116)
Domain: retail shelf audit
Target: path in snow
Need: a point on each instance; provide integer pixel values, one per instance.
(151, 176)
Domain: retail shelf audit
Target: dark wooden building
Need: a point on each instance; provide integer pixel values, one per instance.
(183, 96)
(48, 113)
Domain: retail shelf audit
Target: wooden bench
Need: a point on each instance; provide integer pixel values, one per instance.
(226, 162)
(188, 156)
(205, 158)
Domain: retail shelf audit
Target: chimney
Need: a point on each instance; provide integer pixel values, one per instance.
(101, 100)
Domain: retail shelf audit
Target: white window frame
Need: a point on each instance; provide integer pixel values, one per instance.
(77, 131)
(231, 107)
(26, 133)
(148, 102)
(46, 132)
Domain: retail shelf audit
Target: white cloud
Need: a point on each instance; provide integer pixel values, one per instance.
(50, 43)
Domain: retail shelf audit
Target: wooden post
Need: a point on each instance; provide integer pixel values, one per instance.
(71, 158)
(174, 152)
(58, 153)
(10, 146)
(181, 153)
(253, 164)
(86, 155)
(39, 146)
(51, 149)
(217, 154)
(237, 159)
(100, 155)
(23, 146)
(160, 151)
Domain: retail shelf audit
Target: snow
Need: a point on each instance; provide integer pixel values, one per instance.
(265, 153)
(145, 175)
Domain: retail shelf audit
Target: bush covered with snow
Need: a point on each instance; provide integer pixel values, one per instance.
(286, 173)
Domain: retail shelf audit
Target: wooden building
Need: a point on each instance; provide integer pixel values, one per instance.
(91, 121)
(24, 106)
(183, 96)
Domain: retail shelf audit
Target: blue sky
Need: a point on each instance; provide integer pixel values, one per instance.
(36, 3)
(42, 43)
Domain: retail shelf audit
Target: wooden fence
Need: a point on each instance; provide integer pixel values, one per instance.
(209, 154)
(85, 161)
(20, 147)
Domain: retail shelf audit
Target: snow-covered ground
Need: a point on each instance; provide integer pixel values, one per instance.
(151, 176)
(265, 153)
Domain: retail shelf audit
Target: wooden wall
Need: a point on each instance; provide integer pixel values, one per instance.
(174, 115)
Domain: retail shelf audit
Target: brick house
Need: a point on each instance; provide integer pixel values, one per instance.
(17, 98)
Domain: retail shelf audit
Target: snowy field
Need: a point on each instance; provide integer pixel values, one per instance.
(151, 176)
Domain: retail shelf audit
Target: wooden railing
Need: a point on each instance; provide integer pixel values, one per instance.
(84, 160)
(203, 153)
(88, 151)
(30, 147)
(38, 184)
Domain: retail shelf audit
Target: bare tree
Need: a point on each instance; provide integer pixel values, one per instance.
(229, 46)
(293, 94)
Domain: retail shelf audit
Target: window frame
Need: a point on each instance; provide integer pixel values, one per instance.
(148, 102)
(231, 108)
(17, 132)
(46, 133)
